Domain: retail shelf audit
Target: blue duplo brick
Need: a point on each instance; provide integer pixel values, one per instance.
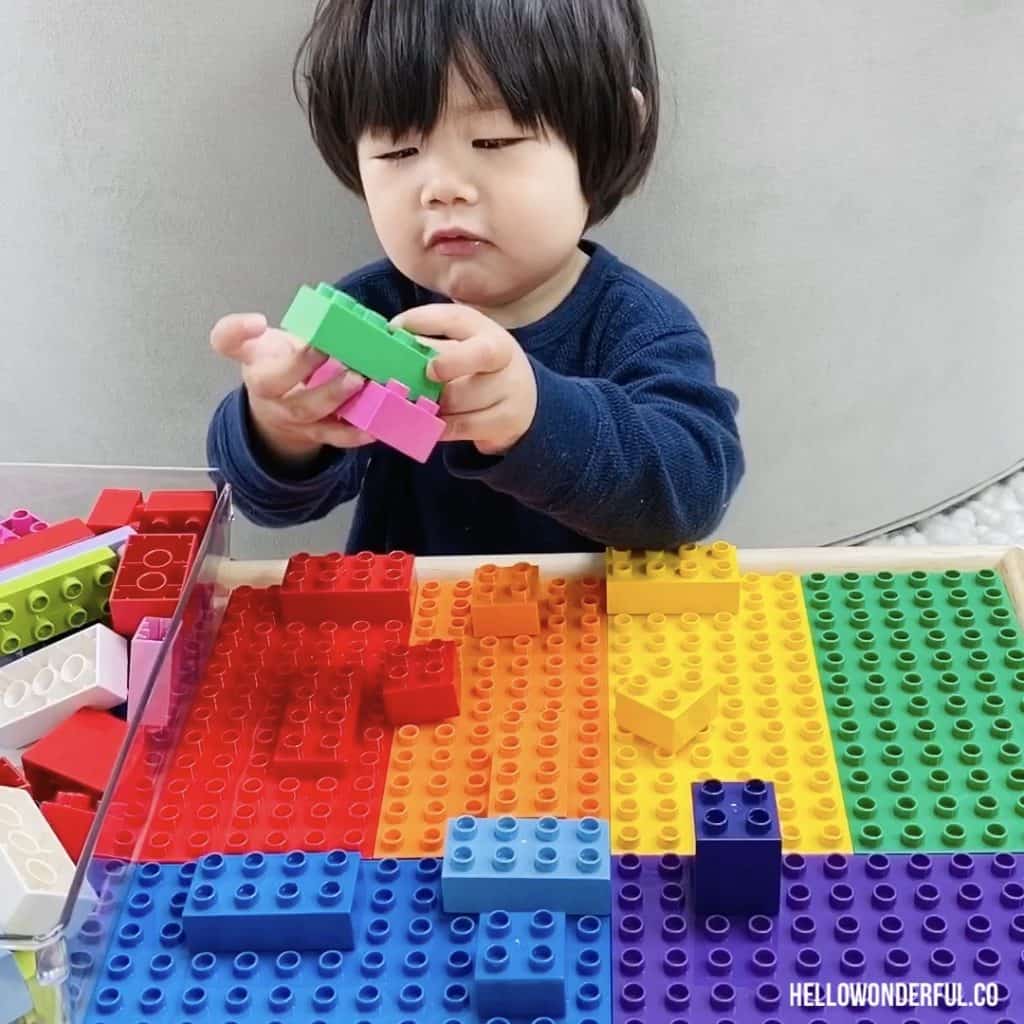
(527, 864)
(738, 863)
(259, 901)
(520, 964)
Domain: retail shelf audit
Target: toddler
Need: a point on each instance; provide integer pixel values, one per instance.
(580, 402)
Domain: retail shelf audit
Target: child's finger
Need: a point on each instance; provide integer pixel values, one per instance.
(442, 320)
(469, 426)
(470, 394)
(309, 405)
(276, 375)
(340, 435)
(231, 332)
(483, 353)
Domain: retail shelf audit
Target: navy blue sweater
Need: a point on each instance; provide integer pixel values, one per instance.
(633, 443)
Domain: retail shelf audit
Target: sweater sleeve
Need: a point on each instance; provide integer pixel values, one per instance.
(645, 456)
(267, 494)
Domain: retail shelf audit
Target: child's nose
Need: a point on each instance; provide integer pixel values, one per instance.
(445, 188)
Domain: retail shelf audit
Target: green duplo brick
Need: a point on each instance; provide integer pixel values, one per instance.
(335, 324)
(56, 600)
(924, 685)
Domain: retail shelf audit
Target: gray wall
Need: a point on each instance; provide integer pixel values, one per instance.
(838, 197)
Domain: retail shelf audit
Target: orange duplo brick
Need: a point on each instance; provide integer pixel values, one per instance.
(506, 600)
(532, 737)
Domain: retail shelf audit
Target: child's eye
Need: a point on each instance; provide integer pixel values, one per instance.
(495, 143)
(398, 154)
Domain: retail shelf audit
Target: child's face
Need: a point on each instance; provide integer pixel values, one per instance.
(475, 174)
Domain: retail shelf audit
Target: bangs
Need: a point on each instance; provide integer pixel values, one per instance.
(400, 75)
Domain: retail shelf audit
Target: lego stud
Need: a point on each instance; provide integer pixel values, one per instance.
(715, 821)
(755, 792)
(548, 828)
(759, 822)
(287, 894)
(464, 829)
(212, 865)
(504, 859)
(588, 861)
(204, 897)
(589, 961)
(712, 791)
(542, 923)
(498, 923)
(546, 860)
(336, 862)
(506, 829)
(496, 959)
(245, 895)
(295, 863)
(542, 959)
(461, 929)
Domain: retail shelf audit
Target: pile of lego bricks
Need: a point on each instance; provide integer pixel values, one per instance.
(84, 607)
(678, 793)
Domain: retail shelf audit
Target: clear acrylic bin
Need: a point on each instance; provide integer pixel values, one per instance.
(53, 493)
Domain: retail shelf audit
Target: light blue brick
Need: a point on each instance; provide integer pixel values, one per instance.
(259, 901)
(558, 864)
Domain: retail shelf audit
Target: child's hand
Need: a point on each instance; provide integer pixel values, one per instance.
(490, 392)
(290, 418)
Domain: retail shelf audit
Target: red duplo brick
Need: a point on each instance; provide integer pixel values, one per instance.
(177, 512)
(319, 726)
(11, 776)
(60, 535)
(114, 509)
(344, 588)
(77, 756)
(219, 787)
(150, 579)
(421, 683)
(70, 816)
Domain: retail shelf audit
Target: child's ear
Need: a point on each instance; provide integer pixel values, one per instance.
(641, 104)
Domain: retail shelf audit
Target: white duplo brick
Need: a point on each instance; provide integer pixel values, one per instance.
(35, 870)
(42, 689)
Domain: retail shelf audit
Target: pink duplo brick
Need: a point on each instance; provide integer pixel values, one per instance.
(387, 415)
(21, 522)
(146, 643)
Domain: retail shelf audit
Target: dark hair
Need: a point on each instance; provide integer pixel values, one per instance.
(568, 65)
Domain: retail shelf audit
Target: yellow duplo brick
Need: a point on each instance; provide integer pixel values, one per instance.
(770, 722)
(693, 578)
(667, 714)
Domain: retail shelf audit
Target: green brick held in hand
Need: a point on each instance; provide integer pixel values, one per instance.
(55, 600)
(923, 676)
(335, 324)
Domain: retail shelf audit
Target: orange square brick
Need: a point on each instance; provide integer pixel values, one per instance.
(505, 600)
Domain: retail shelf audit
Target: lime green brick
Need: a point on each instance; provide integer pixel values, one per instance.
(55, 600)
(335, 324)
(45, 998)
